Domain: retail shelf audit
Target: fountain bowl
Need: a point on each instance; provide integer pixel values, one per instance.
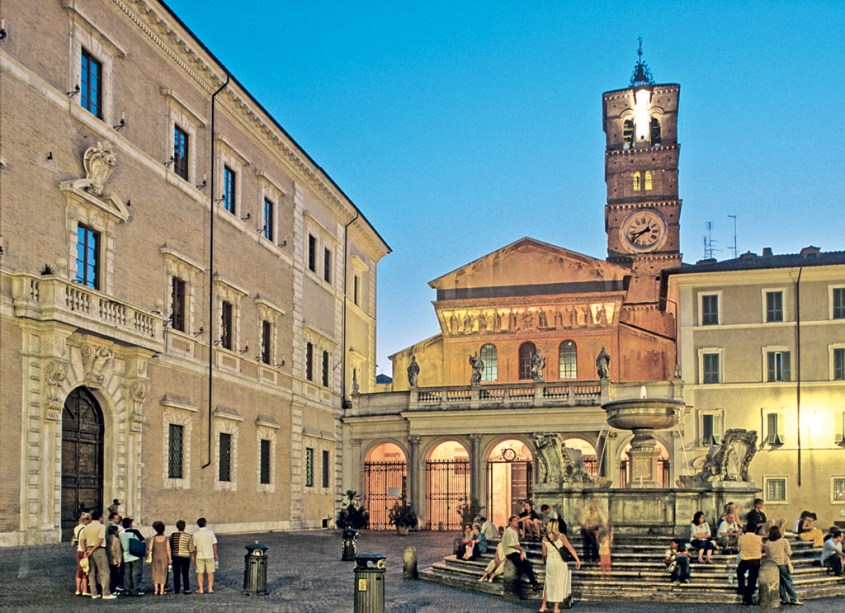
(643, 413)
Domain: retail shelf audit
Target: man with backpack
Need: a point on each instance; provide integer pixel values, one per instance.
(134, 550)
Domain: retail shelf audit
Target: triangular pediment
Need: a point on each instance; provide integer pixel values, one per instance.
(529, 262)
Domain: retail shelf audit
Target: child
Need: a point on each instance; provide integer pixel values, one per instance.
(605, 539)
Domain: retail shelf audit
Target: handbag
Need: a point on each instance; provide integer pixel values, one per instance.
(149, 558)
(137, 548)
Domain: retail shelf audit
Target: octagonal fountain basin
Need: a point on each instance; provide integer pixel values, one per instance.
(643, 413)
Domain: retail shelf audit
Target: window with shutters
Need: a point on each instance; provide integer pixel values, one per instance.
(774, 306)
(777, 366)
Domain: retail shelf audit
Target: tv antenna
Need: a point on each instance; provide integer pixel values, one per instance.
(709, 249)
(734, 246)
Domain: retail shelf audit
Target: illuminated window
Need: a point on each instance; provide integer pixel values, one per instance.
(229, 178)
(91, 84)
(637, 181)
(491, 367)
(628, 134)
(777, 363)
(655, 131)
(837, 489)
(568, 360)
(180, 152)
(87, 257)
(648, 180)
(526, 351)
(774, 489)
(267, 230)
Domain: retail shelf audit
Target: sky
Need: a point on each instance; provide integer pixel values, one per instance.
(460, 127)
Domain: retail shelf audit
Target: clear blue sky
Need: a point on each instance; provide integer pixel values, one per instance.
(459, 127)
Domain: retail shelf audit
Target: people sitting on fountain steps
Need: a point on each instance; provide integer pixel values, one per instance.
(466, 546)
(516, 554)
(676, 560)
(488, 528)
(479, 542)
(756, 517)
(529, 522)
(729, 533)
(700, 535)
(750, 547)
(832, 556)
(592, 520)
(807, 530)
(549, 514)
(496, 566)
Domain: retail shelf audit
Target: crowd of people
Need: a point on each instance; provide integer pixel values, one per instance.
(111, 556)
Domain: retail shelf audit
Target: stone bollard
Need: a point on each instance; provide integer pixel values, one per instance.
(409, 563)
(768, 585)
(511, 591)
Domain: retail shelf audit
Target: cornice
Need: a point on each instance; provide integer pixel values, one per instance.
(641, 150)
(653, 204)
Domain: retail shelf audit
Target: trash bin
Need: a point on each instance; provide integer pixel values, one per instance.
(255, 570)
(350, 538)
(369, 583)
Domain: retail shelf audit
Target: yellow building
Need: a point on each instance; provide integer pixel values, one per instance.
(762, 347)
(186, 298)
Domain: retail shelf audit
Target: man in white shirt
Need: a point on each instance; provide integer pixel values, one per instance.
(729, 532)
(205, 543)
(516, 554)
(488, 528)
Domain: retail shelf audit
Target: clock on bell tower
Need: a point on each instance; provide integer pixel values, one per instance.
(643, 210)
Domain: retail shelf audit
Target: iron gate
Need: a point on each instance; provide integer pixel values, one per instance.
(447, 484)
(384, 485)
(521, 488)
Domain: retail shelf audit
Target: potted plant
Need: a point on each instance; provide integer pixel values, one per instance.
(351, 518)
(403, 516)
(469, 511)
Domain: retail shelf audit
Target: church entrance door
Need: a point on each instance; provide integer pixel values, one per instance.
(82, 457)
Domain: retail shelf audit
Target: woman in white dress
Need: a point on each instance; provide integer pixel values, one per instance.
(558, 586)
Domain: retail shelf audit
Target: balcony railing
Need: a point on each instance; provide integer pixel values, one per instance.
(50, 297)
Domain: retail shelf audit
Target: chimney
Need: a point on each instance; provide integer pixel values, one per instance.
(767, 252)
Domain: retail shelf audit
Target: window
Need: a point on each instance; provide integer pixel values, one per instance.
(774, 432)
(177, 304)
(326, 468)
(327, 265)
(711, 429)
(839, 364)
(87, 256)
(229, 187)
(309, 361)
(710, 310)
(837, 489)
(176, 439)
(264, 460)
(774, 489)
(526, 351)
(627, 134)
(838, 303)
(180, 152)
(91, 84)
(637, 181)
(648, 180)
(774, 306)
(224, 452)
(655, 132)
(489, 356)
(309, 467)
(325, 369)
(226, 325)
(312, 253)
(568, 362)
(356, 288)
(267, 230)
(711, 368)
(266, 341)
(777, 366)
(839, 437)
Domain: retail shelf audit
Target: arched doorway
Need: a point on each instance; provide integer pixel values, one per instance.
(509, 480)
(588, 454)
(385, 481)
(447, 485)
(82, 457)
(664, 476)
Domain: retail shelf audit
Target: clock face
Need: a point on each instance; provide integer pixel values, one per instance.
(643, 231)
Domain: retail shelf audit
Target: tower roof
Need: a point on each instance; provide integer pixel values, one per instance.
(642, 73)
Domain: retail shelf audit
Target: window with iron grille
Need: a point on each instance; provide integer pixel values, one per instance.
(356, 282)
(778, 366)
(839, 303)
(309, 361)
(489, 356)
(229, 187)
(265, 461)
(326, 369)
(87, 257)
(710, 310)
(568, 360)
(526, 350)
(327, 265)
(312, 253)
(326, 468)
(267, 231)
(177, 304)
(774, 306)
(309, 467)
(226, 321)
(225, 457)
(176, 438)
(180, 152)
(91, 84)
(266, 336)
(839, 364)
(710, 368)
(775, 489)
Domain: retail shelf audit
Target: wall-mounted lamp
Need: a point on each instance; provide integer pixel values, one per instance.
(155, 356)
(49, 155)
(128, 203)
(261, 228)
(122, 123)
(221, 198)
(2, 28)
(245, 349)
(247, 218)
(281, 364)
(203, 184)
(170, 161)
(217, 342)
(76, 89)
(199, 332)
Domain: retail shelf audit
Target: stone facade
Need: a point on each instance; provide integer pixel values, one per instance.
(215, 381)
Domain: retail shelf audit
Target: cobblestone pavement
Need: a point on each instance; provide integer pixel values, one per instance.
(304, 574)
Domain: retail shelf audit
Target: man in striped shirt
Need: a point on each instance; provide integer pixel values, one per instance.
(181, 550)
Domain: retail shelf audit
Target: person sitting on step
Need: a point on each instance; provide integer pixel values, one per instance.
(676, 560)
(832, 556)
(700, 535)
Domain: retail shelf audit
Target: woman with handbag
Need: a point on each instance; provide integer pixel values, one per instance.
(779, 551)
(558, 586)
(159, 555)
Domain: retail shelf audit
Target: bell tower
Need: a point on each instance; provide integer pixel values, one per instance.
(642, 213)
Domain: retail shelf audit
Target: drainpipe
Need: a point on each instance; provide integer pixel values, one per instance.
(211, 317)
(798, 364)
(344, 403)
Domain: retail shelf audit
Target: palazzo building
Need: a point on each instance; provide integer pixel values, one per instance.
(187, 299)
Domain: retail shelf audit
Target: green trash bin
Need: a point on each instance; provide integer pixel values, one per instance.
(369, 583)
(255, 570)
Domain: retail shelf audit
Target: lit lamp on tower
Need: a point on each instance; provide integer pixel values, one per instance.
(643, 84)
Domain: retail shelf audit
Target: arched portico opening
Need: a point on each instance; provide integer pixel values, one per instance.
(447, 484)
(664, 473)
(82, 457)
(385, 481)
(510, 479)
(588, 454)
